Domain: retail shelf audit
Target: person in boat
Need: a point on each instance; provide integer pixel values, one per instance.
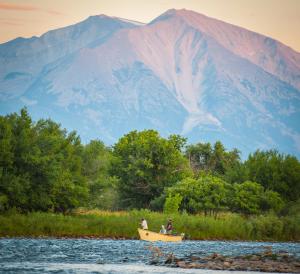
(163, 230)
(144, 224)
(169, 227)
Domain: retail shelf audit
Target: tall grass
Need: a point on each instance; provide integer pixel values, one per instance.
(96, 223)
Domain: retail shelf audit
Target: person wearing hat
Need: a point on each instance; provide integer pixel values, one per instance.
(169, 227)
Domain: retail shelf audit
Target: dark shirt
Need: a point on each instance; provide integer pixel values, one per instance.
(169, 227)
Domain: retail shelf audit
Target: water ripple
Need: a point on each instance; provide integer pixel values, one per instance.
(110, 256)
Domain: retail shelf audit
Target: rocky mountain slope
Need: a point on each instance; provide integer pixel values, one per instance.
(182, 73)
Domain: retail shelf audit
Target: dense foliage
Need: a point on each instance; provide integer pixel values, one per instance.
(275, 171)
(145, 164)
(45, 168)
(207, 193)
(97, 159)
(213, 159)
(40, 165)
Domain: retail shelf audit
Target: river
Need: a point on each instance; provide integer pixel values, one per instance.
(23, 255)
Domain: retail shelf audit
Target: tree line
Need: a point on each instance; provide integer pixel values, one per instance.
(45, 168)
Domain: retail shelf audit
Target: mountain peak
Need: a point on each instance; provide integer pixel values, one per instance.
(259, 49)
(177, 11)
(180, 12)
(174, 11)
(104, 17)
(183, 14)
(99, 16)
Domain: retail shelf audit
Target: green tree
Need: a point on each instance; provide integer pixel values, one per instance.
(207, 193)
(247, 197)
(16, 143)
(96, 165)
(6, 160)
(42, 168)
(212, 160)
(238, 173)
(275, 171)
(172, 204)
(271, 200)
(251, 198)
(157, 204)
(219, 159)
(56, 181)
(145, 164)
(291, 178)
(6, 144)
(178, 141)
(199, 156)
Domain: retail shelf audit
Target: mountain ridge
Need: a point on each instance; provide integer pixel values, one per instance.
(182, 73)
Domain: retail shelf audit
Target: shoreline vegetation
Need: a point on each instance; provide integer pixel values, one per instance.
(49, 181)
(97, 224)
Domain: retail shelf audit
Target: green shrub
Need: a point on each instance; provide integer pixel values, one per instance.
(172, 204)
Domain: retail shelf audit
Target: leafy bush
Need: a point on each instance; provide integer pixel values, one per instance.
(172, 204)
(208, 193)
(247, 197)
(145, 163)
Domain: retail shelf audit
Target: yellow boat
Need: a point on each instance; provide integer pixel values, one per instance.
(151, 236)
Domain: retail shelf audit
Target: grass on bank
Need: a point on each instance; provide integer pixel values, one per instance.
(96, 223)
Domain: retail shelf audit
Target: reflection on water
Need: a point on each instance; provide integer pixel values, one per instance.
(114, 256)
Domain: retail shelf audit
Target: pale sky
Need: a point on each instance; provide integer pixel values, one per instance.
(279, 19)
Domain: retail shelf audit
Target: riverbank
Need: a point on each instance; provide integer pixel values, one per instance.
(123, 225)
(266, 261)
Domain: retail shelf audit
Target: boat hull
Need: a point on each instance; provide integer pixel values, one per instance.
(151, 236)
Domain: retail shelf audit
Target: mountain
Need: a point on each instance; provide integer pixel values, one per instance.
(182, 73)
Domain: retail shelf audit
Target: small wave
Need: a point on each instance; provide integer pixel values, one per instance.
(105, 269)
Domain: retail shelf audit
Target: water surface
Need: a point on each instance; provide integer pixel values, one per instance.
(115, 256)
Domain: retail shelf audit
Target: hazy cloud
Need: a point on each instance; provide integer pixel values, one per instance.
(27, 101)
(10, 6)
(18, 7)
(54, 12)
(10, 22)
(93, 115)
